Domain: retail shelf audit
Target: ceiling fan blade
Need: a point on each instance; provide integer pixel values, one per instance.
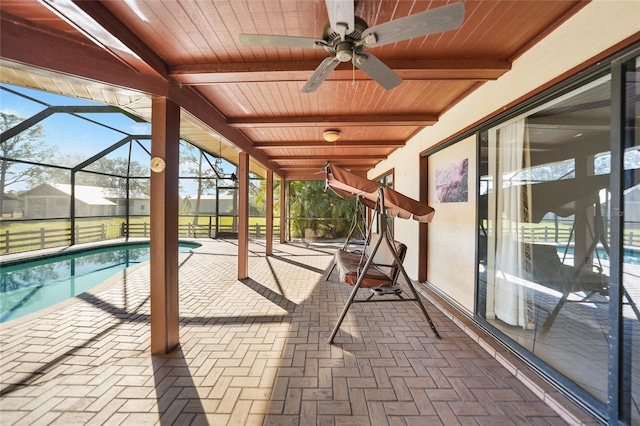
(279, 41)
(432, 21)
(377, 70)
(341, 11)
(320, 74)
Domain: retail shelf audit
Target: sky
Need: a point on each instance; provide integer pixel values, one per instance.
(74, 136)
(70, 133)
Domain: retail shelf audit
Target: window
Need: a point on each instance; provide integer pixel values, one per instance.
(544, 233)
(386, 180)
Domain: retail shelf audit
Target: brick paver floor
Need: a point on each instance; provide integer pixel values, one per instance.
(254, 352)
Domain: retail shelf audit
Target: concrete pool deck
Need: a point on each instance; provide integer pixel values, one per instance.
(254, 352)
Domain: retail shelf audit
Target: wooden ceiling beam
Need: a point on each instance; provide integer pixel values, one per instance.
(310, 168)
(327, 157)
(106, 31)
(317, 173)
(306, 175)
(208, 115)
(317, 144)
(407, 69)
(420, 120)
(49, 50)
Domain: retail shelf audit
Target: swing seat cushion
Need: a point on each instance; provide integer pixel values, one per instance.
(382, 271)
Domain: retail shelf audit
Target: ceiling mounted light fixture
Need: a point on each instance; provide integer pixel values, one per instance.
(331, 135)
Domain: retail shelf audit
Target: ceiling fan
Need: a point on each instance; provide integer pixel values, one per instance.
(346, 36)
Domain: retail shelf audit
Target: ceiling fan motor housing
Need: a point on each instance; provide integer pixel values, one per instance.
(344, 51)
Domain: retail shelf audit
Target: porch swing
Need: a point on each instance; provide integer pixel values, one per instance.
(359, 227)
(380, 263)
(582, 280)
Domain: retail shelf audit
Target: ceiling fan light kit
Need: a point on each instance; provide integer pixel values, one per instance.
(331, 135)
(344, 51)
(345, 37)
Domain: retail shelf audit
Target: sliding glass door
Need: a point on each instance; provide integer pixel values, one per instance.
(546, 187)
(630, 297)
(559, 237)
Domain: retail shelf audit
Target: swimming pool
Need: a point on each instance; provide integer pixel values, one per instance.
(631, 255)
(27, 286)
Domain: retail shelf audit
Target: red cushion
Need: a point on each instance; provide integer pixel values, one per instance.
(349, 264)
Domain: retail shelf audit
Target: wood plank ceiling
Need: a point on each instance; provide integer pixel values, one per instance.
(250, 96)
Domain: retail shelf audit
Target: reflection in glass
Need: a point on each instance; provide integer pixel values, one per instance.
(544, 233)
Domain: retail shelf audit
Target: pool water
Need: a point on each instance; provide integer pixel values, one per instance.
(29, 286)
(631, 256)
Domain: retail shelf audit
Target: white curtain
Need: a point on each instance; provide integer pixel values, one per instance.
(510, 204)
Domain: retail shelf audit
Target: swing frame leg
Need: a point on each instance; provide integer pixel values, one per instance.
(344, 312)
(352, 296)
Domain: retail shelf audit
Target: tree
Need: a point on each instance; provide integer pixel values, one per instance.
(311, 202)
(26, 145)
(104, 172)
(112, 173)
(259, 193)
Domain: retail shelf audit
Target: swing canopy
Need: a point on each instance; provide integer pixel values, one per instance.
(349, 185)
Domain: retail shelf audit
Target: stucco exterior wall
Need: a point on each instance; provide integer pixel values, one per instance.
(451, 242)
(598, 26)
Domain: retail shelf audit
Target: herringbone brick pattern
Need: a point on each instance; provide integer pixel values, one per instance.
(254, 352)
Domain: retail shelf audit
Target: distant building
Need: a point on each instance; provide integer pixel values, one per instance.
(10, 204)
(54, 200)
(208, 203)
(632, 207)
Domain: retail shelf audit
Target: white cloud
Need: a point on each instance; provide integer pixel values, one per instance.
(141, 129)
(9, 111)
